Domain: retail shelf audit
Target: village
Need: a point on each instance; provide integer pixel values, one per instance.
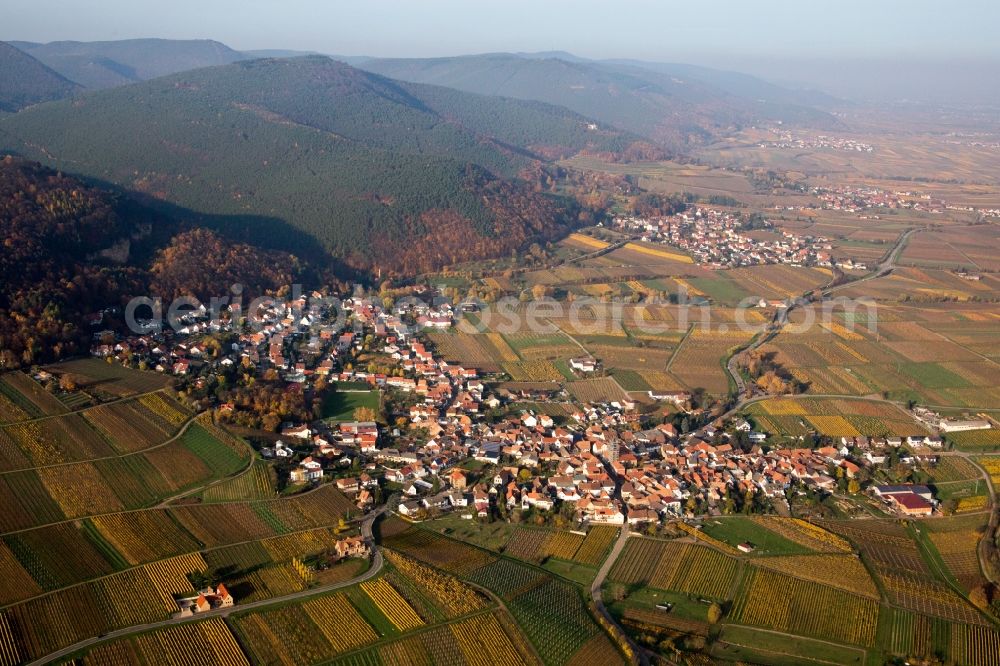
(725, 239)
(448, 441)
(787, 140)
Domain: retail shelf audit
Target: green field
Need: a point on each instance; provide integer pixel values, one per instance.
(736, 530)
(574, 571)
(219, 458)
(340, 405)
(737, 643)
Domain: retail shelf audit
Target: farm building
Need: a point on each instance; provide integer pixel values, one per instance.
(947, 425)
(911, 504)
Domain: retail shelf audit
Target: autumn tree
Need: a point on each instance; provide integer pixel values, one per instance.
(364, 414)
(68, 382)
(714, 613)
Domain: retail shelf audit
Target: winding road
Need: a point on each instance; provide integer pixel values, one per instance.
(781, 317)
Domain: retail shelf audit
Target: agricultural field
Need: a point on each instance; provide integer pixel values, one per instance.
(834, 417)
(602, 389)
(910, 634)
(207, 641)
(675, 566)
(699, 363)
(748, 645)
(259, 482)
(931, 354)
(111, 379)
(775, 601)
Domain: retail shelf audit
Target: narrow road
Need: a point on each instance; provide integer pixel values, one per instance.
(597, 595)
(373, 570)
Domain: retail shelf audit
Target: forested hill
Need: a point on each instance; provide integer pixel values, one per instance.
(69, 250)
(673, 107)
(382, 174)
(25, 81)
(108, 64)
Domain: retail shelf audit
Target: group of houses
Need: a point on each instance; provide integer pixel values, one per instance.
(725, 239)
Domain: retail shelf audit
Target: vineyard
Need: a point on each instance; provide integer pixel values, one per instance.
(309, 633)
(711, 541)
(441, 552)
(452, 596)
(927, 596)
(640, 618)
(555, 618)
(532, 371)
(992, 466)
(484, 642)
(535, 545)
(595, 546)
(833, 417)
(144, 536)
(192, 644)
(805, 534)
(680, 567)
(508, 579)
(469, 350)
(885, 544)
(112, 484)
(28, 398)
(913, 635)
(259, 482)
(771, 600)
(51, 442)
(845, 572)
(392, 604)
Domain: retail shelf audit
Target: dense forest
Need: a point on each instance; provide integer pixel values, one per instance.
(308, 153)
(180, 268)
(50, 224)
(71, 250)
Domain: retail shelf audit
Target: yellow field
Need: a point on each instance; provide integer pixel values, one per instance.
(833, 426)
(170, 577)
(589, 241)
(660, 254)
(392, 604)
(779, 407)
(841, 571)
(778, 602)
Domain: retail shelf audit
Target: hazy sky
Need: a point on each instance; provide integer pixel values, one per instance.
(706, 31)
